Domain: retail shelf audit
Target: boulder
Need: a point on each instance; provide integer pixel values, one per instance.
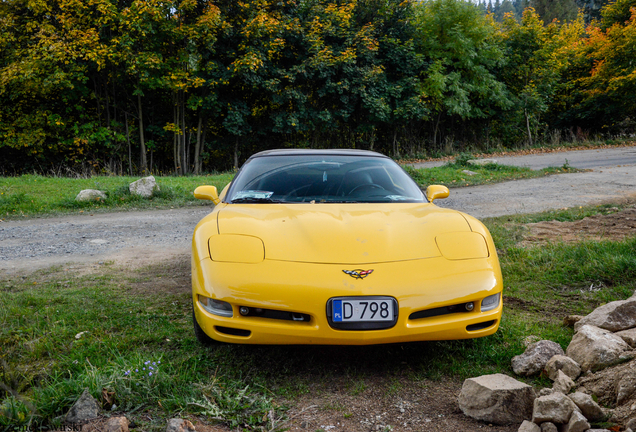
(117, 424)
(84, 409)
(590, 409)
(546, 391)
(594, 348)
(496, 398)
(562, 363)
(179, 425)
(631, 424)
(536, 356)
(563, 383)
(577, 423)
(629, 336)
(144, 187)
(626, 388)
(614, 316)
(570, 320)
(528, 426)
(90, 195)
(555, 408)
(548, 427)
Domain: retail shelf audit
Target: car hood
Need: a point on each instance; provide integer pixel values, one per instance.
(352, 234)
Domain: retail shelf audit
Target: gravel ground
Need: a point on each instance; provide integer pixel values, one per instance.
(141, 238)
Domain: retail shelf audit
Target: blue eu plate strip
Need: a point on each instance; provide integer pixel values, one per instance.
(337, 310)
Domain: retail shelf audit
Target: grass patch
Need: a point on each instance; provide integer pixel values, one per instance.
(35, 195)
(62, 332)
(453, 174)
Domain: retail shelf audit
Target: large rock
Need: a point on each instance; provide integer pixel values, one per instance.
(629, 336)
(528, 426)
(594, 348)
(179, 425)
(555, 408)
(563, 383)
(562, 363)
(90, 195)
(590, 409)
(548, 427)
(536, 356)
(117, 424)
(614, 316)
(144, 187)
(577, 423)
(496, 398)
(626, 388)
(84, 409)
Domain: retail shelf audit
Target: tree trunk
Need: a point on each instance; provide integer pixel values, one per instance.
(142, 144)
(525, 113)
(197, 147)
(129, 148)
(236, 145)
(184, 162)
(175, 135)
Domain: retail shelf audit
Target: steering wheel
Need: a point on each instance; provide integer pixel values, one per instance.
(367, 186)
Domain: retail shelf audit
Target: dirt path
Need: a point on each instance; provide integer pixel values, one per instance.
(140, 238)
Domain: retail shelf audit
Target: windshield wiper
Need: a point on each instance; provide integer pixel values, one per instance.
(251, 200)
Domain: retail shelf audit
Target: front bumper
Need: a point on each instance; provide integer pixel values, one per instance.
(305, 288)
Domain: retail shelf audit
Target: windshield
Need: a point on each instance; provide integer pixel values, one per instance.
(322, 179)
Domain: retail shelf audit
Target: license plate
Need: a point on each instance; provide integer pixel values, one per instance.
(362, 309)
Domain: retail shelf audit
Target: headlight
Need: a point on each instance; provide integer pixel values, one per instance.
(462, 245)
(216, 307)
(490, 302)
(236, 248)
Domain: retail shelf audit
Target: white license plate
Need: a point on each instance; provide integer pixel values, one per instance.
(357, 309)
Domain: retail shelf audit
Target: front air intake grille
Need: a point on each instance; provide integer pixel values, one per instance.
(480, 326)
(233, 331)
(274, 314)
(445, 310)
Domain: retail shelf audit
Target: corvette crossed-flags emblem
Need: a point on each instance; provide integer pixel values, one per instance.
(358, 273)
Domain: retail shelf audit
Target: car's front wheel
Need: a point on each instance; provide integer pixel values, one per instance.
(203, 338)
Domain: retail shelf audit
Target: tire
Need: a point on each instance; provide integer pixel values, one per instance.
(201, 336)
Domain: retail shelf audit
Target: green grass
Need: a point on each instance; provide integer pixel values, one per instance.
(35, 195)
(453, 175)
(131, 317)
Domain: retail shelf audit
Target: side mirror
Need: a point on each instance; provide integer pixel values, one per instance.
(434, 192)
(207, 193)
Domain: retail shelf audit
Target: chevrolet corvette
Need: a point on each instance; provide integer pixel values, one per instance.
(338, 247)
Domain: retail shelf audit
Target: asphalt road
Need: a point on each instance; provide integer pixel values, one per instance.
(141, 238)
(583, 159)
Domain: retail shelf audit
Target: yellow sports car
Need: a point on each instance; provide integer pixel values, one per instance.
(338, 247)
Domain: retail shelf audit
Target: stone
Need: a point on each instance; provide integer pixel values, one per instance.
(90, 195)
(536, 356)
(590, 409)
(117, 424)
(563, 383)
(144, 187)
(528, 426)
(614, 316)
(496, 398)
(548, 427)
(626, 388)
(470, 173)
(546, 391)
(482, 161)
(84, 409)
(562, 363)
(555, 408)
(629, 336)
(570, 320)
(594, 348)
(179, 425)
(631, 424)
(577, 423)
